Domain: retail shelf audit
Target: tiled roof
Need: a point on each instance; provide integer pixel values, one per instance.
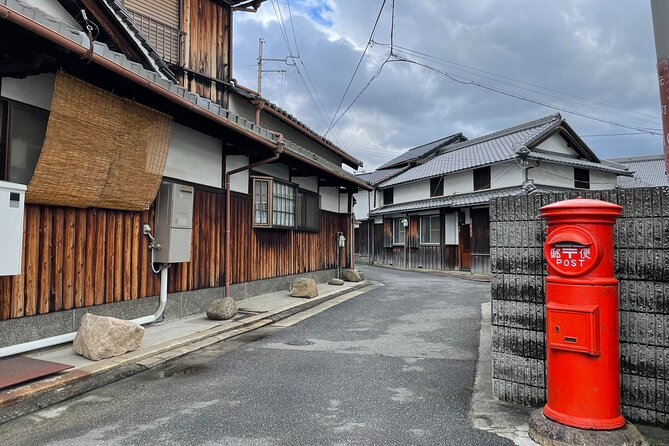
(462, 200)
(100, 49)
(494, 148)
(576, 162)
(247, 94)
(421, 151)
(379, 176)
(649, 170)
(450, 201)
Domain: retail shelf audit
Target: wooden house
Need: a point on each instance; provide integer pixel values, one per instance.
(94, 116)
(434, 215)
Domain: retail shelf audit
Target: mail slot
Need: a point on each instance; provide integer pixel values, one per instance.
(573, 328)
(582, 341)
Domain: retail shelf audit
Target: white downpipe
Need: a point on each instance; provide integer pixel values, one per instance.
(68, 337)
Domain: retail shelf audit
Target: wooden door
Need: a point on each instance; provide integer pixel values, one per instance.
(464, 246)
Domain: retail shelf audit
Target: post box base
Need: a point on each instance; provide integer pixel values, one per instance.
(597, 424)
(549, 433)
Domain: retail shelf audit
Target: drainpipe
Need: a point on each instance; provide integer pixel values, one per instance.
(277, 152)
(69, 337)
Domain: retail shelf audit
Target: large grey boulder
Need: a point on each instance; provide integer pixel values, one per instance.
(304, 288)
(101, 337)
(351, 275)
(335, 281)
(222, 309)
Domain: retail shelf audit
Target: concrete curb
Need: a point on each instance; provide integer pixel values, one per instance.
(50, 391)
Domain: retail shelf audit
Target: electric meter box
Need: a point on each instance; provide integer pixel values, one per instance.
(12, 199)
(174, 223)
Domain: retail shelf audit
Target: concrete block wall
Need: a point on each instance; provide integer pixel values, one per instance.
(517, 235)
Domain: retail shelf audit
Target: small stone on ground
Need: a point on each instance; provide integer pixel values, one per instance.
(304, 287)
(351, 275)
(101, 337)
(222, 309)
(335, 281)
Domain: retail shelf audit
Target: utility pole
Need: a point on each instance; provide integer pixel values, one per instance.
(660, 12)
(261, 43)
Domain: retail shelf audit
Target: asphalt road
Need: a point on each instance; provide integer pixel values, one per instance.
(394, 366)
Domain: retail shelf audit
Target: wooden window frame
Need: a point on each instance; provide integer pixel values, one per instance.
(420, 230)
(482, 183)
(271, 181)
(306, 193)
(581, 183)
(397, 223)
(255, 181)
(437, 186)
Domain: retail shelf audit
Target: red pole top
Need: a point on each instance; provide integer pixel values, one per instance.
(581, 210)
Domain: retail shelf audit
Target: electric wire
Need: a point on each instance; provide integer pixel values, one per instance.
(357, 67)
(429, 56)
(466, 81)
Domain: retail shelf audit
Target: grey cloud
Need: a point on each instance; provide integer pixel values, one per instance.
(595, 49)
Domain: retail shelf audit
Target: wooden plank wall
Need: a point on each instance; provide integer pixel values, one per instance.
(74, 258)
(206, 48)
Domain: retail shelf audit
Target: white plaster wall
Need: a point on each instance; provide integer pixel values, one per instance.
(54, 9)
(550, 174)
(504, 175)
(32, 90)
(361, 207)
(418, 190)
(343, 202)
(308, 183)
(459, 183)
(276, 170)
(239, 182)
(330, 199)
(194, 157)
(602, 180)
(558, 144)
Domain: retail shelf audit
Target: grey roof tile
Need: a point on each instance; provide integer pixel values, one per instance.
(421, 151)
(450, 201)
(379, 176)
(576, 162)
(649, 170)
(494, 148)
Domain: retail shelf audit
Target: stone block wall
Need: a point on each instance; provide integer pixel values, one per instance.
(517, 235)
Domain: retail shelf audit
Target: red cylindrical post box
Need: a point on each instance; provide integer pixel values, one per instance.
(583, 352)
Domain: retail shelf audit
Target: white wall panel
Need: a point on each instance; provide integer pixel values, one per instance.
(194, 157)
(557, 143)
(32, 90)
(239, 182)
(418, 190)
(330, 199)
(275, 170)
(308, 183)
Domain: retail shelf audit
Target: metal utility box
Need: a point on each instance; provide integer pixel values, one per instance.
(174, 223)
(12, 198)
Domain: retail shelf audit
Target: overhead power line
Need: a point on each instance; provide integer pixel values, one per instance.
(355, 71)
(581, 100)
(466, 81)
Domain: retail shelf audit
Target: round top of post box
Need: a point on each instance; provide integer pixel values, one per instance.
(581, 210)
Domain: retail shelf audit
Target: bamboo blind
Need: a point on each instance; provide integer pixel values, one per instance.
(100, 150)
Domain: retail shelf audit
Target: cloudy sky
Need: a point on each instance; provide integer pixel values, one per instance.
(579, 57)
